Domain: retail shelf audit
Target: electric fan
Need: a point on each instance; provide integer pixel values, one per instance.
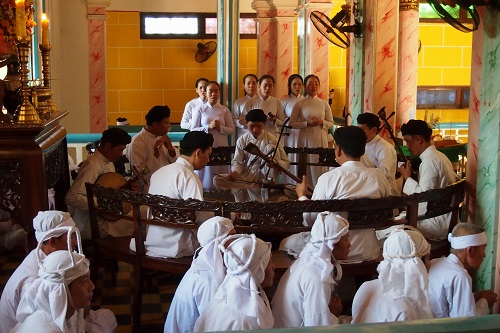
(335, 29)
(205, 51)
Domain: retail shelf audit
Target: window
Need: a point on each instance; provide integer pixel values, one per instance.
(190, 26)
(452, 97)
(428, 15)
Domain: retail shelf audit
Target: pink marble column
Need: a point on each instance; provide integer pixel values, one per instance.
(381, 55)
(408, 61)
(316, 47)
(96, 14)
(275, 42)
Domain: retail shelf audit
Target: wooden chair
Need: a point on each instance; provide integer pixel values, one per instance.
(326, 157)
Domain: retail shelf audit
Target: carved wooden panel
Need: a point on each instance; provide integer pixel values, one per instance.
(10, 187)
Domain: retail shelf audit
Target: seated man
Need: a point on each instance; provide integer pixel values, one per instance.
(450, 285)
(179, 181)
(240, 303)
(351, 180)
(246, 165)
(51, 229)
(435, 171)
(305, 290)
(400, 292)
(55, 302)
(111, 146)
(151, 148)
(201, 281)
(380, 153)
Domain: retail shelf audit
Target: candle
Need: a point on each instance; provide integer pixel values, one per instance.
(20, 19)
(45, 30)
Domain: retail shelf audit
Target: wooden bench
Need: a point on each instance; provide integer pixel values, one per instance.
(271, 221)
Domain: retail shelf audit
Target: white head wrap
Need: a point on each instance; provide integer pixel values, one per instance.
(465, 241)
(210, 235)
(49, 220)
(402, 273)
(50, 292)
(326, 231)
(246, 259)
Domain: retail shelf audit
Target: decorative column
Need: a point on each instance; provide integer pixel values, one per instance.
(228, 41)
(486, 97)
(408, 61)
(354, 68)
(314, 48)
(381, 21)
(96, 15)
(275, 24)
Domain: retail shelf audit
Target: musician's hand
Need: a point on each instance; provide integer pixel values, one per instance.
(233, 175)
(167, 142)
(335, 305)
(134, 185)
(405, 170)
(214, 124)
(301, 188)
(272, 162)
(271, 117)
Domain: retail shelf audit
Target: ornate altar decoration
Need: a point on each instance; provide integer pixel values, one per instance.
(33, 147)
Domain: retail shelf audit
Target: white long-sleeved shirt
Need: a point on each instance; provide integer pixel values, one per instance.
(188, 112)
(239, 114)
(270, 105)
(383, 156)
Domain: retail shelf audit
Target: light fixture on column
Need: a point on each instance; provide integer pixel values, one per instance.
(336, 28)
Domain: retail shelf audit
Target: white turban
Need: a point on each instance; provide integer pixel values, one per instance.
(210, 234)
(246, 259)
(465, 241)
(49, 220)
(326, 231)
(402, 273)
(50, 294)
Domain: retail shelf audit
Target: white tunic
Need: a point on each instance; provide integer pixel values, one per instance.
(245, 164)
(202, 117)
(140, 153)
(353, 181)
(178, 181)
(191, 297)
(435, 171)
(269, 105)
(290, 140)
(370, 305)
(40, 321)
(94, 166)
(301, 299)
(100, 321)
(383, 156)
(238, 116)
(188, 112)
(312, 137)
(450, 290)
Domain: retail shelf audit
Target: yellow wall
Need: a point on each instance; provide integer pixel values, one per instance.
(143, 73)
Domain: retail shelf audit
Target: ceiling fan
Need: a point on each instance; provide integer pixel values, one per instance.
(335, 29)
(449, 11)
(205, 51)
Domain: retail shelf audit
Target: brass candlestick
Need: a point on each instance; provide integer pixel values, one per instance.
(26, 113)
(45, 100)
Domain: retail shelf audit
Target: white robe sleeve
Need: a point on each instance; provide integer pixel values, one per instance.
(100, 321)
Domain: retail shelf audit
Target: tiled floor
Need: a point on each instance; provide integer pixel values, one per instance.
(118, 296)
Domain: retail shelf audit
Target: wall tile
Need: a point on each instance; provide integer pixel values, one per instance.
(112, 101)
(140, 57)
(453, 37)
(442, 57)
(456, 76)
(124, 79)
(129, 18)
(112, 18)
(162, 78)
(134, 118)
(193, 74)
(112, 59)
(431, 34)
(139, 100)
(429, 76)
(122, 36)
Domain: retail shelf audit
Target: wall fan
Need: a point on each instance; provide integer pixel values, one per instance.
(335, 29)
(449, 11)
(205, 51)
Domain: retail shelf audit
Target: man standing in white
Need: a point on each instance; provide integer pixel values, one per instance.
(179, 181)
(151, 148)
(380, 153)
(450, 285)
(435, 171)
(195, 103)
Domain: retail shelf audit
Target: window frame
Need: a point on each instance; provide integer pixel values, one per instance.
(462, 17)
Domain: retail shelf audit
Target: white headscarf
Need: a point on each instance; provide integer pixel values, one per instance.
(326, 231)
(50, 292)
(402, 273)
(49, 220)
(246, 259)
(210, 235)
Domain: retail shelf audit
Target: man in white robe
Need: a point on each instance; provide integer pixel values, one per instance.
(202, 280)
(240, 303)
(246, 165)
(151, 148)
(56, 223)
(351, 180)
(201, 86)
(435, 171)
(400, 292)
(179, 181)
(113, 142)
(56, 300)
(380, 153)
(450, 285)
(305, 291)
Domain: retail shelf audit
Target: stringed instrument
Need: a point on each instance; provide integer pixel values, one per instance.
(382, 115)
